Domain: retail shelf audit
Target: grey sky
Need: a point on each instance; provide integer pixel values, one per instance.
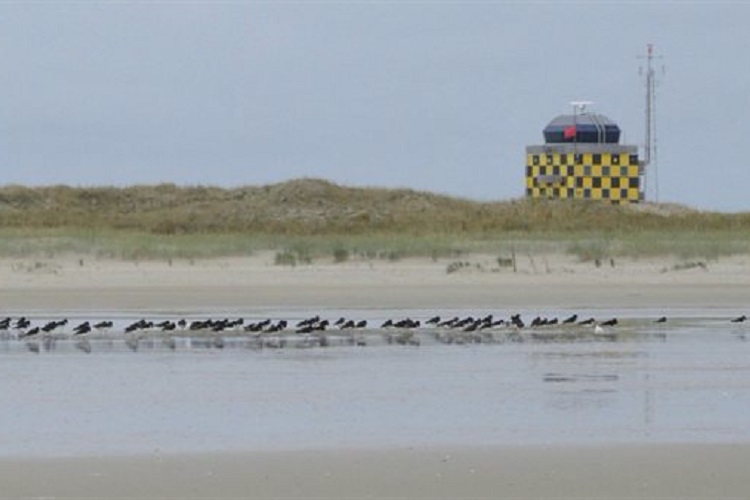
(442, 96)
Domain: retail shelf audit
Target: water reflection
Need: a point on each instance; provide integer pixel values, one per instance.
(630, 332)
(576, 378)
(685, 380)
(34, 347)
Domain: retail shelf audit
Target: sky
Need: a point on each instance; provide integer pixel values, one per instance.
(442, 96)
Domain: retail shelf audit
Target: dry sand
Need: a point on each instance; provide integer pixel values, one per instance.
(551, 281)
(254, 283)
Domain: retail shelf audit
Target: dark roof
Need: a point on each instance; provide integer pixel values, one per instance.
(582, 119)
(589, 128)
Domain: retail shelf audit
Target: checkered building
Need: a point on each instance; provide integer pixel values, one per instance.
(581, 159)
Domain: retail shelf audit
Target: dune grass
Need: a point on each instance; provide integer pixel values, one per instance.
(309, 219)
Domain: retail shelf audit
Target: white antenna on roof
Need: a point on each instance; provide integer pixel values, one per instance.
(580, 106)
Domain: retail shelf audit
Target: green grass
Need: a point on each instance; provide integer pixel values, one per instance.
(115, 244)
(586, 246)
(313, 220)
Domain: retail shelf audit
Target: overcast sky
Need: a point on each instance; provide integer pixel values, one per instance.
(431, 95)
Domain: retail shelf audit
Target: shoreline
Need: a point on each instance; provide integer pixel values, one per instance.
(254, 285)
(626, 471)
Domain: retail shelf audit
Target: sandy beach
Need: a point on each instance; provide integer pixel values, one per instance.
(254, 285)
(551, 281)
(644, 472)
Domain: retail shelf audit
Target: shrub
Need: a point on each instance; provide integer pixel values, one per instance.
(340, 254)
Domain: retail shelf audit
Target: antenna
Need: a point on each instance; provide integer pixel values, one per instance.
(650, 144)
(578, 108)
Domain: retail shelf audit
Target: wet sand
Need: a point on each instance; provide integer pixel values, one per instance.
(666, 471)
(255, 285)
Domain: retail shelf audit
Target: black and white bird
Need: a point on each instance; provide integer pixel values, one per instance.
(84, 327)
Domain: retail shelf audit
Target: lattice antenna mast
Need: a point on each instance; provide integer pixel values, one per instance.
(650, 143)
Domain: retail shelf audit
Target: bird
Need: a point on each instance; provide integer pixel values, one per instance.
(407, 323)
(449, 322)
(610, 322)
(305, 329)
(29, 333)
(570, 319)
(308, 321)
(48, 327)
(253, 327)
(141, 324)
(52, 325)
(198, 325)
(276, 327)
(517, 321)
(663, 319)
(84, 327)
(471, 327)
(740, 319)
(22, 323)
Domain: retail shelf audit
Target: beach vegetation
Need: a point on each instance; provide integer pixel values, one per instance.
(340, 254)
(305, 220)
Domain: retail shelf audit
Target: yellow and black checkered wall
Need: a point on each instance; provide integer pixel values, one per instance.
(600, 175)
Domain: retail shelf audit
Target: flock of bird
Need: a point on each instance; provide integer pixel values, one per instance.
(317, 331)
(23, 328)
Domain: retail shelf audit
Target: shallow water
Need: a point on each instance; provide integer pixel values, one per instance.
(685, 381)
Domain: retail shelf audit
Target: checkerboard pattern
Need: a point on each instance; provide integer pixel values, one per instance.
(590, 176)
